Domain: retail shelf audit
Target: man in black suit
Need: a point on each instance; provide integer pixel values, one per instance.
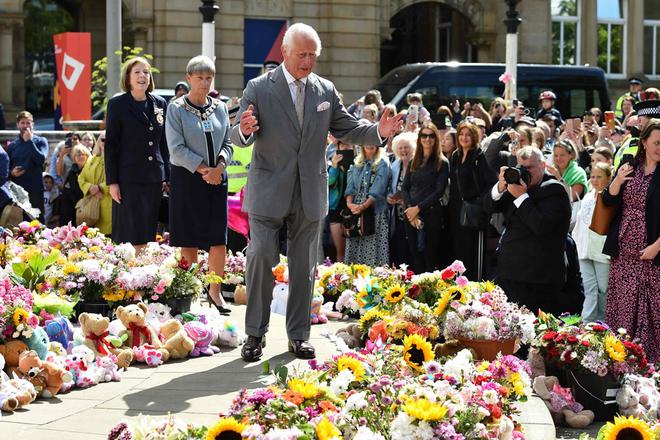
(530, 262)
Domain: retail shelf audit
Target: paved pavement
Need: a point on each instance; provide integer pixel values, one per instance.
(196, 390)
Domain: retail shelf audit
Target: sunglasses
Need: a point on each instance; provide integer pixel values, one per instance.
(427, 135)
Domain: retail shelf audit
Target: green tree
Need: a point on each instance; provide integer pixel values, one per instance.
(99, 75)
(43, 19)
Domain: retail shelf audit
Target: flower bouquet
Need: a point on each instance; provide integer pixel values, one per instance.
(234, 269)
(332, 280)
(16, 317)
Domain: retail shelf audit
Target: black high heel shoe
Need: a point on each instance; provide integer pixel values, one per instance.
(222, 309)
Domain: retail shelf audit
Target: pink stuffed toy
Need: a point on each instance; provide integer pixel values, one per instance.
(203, 336)
(148, 354)
(84, 374)
(108, 369)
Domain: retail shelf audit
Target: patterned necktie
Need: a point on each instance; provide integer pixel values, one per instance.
(300, 100)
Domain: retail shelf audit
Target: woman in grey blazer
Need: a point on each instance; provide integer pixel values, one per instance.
(197, 131)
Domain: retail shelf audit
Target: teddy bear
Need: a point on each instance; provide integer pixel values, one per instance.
(107, 366)
(280, 298)
(14, 393)
(203, 336)
(59, 330)
(38, 341)
(318, 317)
(148, 355)
(226, 333)
(178, 344)
(134, 319)
(95, 329)
(158, 314)
(561, 404)
(351, 335)
(46, 377)
(80, 364)
(240, 295)
(638, 397)
(11, 351)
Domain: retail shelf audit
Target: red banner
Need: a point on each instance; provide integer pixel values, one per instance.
(73, 56)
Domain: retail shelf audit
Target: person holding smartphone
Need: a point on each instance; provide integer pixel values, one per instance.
(27, 155)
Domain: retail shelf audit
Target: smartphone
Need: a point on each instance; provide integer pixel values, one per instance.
(609, 120)
(413, 113)
(516, 103)
(569, 125)
(627, 158)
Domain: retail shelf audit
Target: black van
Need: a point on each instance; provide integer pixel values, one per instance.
(577, 88)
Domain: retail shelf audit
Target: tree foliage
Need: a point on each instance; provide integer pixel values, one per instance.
(99, 74)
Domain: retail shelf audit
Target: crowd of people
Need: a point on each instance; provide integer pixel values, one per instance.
(511, 195)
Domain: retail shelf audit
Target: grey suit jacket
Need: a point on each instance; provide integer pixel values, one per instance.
(283, 153)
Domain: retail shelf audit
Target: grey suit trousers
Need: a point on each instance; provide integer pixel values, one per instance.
(263, 255)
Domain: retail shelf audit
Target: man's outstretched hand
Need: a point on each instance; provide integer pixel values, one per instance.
(249, 123)
(388, 124)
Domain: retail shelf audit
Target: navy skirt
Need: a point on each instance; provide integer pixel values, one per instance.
(135, 219)
(198, 211)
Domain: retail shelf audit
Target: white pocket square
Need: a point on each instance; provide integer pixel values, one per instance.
(323, 106)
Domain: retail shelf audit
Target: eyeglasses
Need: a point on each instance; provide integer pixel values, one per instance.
(427, 135)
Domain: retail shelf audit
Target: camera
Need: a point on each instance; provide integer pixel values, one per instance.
(514, 175)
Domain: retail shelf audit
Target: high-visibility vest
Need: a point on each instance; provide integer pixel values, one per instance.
(629, 146)
(238, 168)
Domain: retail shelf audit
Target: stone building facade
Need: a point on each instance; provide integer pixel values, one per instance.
(358, 36)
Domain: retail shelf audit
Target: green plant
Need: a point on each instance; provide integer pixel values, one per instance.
(33, 272)
(99, 75)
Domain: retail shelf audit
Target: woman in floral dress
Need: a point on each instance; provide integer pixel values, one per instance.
(633, 301)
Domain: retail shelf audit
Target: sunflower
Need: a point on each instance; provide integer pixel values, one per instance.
(226, 428)
(350, 363)
(20, 316)
(424, 409)
(625, 428)
(372, 314)
(441, 304)
(325, 430)
(360, 297)
(615, 348)
(457, 294)
(305, 388)
(395, 294)
(416, 351)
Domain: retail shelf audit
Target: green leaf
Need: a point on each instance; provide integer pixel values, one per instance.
(265, 368)
(282, 373)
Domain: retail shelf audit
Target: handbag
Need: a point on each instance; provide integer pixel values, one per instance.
(472, 215)
(11, 216)
(363, 224)
(602, 217)
(575, 208)
(88, 210)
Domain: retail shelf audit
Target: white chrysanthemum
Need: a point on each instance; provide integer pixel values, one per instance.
(364, 433)
(283, 434)
(424, 431)
(356, 401)
(490, 396)
(340, 384)
(402, 426)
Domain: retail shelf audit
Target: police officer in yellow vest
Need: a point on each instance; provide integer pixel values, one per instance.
(646, 110)
(238, 168)
(636, 86)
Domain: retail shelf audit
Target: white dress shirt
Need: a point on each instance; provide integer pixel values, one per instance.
(496, 195)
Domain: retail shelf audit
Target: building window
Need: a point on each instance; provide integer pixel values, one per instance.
(652, 38)
(612, 37)
(565, 31)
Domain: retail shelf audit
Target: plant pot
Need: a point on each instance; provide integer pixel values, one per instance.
(178, 305)
(488, 350)
(103, 309)
(594, 392)
(240, 295)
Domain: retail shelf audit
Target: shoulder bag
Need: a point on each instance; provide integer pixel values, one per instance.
(472, 215)
(602, 216)
(88, 210)
(363, 224)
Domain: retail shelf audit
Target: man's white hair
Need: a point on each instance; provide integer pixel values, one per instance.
(528, 152)
(303, 30)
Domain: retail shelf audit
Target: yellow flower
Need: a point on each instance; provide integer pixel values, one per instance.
(458, 294)
(360, 270)
(627, 428)
(70, 268)
(441, 304)
(114, 295)
(20, 316)
(395, 294)
(305, 388)
(350, 363)
(372, 314)
(34, 223)
(424, 409)
(416, 351)
(487, 286)
(226, 428)
(325, 430)
(615, 348)
(359, 297)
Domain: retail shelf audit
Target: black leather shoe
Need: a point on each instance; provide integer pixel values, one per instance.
(251, 351)
(302, 349)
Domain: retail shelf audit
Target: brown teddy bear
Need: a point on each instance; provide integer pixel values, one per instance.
(177, 342)
(351, 335)
(95, 330)
(559, 401)
(134, 318)
(46, 377)
(14, 393)
(11, 350)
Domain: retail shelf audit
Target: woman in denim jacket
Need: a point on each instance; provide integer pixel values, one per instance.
(367, 188)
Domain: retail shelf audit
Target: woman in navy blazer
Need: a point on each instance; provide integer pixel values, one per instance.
(136, 155)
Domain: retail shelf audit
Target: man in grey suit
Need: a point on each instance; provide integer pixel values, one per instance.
(287, 113)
